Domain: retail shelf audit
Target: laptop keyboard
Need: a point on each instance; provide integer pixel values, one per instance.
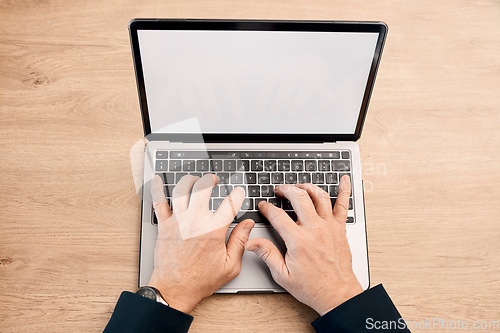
(257, 172)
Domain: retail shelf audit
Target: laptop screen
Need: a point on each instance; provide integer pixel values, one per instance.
(255, 82)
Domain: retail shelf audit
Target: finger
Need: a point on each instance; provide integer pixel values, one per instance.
(273, 258)
(320, 198)
(160, 205)
(280, 220)
(342, 203)
(231, 205)
(301, 202)
(181, 193)
(236, 243)
(202, 190)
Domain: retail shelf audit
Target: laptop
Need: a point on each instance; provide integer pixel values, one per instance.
(259, 103)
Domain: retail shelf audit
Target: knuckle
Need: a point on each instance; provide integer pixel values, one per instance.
(265, 254)
(322, 194)
(342, 206)
(276, 213)
(301, 193)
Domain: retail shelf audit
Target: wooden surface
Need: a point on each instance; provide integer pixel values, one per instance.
(69, 114)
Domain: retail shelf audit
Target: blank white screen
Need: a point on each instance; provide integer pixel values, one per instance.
(255, 81)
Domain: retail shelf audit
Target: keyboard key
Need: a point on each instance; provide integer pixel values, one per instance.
(189, 154)
(267, 191)
(343, 173)
(257, 200)
(215, 191)
(283, 165)
(270, 165)
(257, 165)
(246, 154)
(247, 204)
(196, 174)
(275, 201)
(255, 216)
(169, 190)
(334, 190)
(345, 154)
(324, 188)
(224, 177)
(277, 178)
(264, 178)
(331, 178)
(286, 204)
(297, 165)
(161, 165)
(175, 165)
(216, 165)
(236, 178)
(332, 155)
(243, 165)
(250, 178)
(188, 165)
(210, 203)
(304, 177)
(179, 175)
(229, 165)
(253, 190)
(350, 219)
(216, 203)
(224, 190)
(318, 178)
(311, 165)
(291, 178)
(169, 178)
(341, 165)
(323, 165)
(202, 165)
(243, 187)
(161, 155)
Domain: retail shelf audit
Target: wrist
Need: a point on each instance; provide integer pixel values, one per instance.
(174, 298)
(339, 296)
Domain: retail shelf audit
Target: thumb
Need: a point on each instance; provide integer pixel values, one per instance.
(273, 258)
(236, 242)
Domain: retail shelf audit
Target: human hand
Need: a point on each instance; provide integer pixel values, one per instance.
(317, 267)
(192, 260)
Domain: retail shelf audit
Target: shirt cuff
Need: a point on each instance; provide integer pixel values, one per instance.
(366, 312)
(135, 313)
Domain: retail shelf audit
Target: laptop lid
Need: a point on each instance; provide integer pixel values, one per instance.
(255, 80)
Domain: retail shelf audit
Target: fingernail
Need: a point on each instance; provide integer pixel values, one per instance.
(249, 225)
(261, 203)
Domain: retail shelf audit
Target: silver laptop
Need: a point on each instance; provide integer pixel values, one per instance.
(259, 103)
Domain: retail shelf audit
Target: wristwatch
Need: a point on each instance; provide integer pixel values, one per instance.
(151, 293)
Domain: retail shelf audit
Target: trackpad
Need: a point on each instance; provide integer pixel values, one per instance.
(254, 275)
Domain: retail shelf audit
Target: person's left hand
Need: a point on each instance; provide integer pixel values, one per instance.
(192, 260)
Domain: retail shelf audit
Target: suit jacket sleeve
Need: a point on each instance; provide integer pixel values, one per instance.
(370, 311)
(135, 313)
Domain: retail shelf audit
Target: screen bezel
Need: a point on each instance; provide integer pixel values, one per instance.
(259, 25)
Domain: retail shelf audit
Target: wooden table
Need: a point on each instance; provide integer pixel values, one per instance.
(70, 217)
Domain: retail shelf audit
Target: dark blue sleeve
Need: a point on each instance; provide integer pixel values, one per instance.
(370, 311)
(135, 313)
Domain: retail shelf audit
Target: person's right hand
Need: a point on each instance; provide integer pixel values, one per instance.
(317, 267)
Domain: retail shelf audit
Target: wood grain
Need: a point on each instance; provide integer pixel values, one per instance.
(69, 115)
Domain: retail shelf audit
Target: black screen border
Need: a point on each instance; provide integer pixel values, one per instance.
(259, 25)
